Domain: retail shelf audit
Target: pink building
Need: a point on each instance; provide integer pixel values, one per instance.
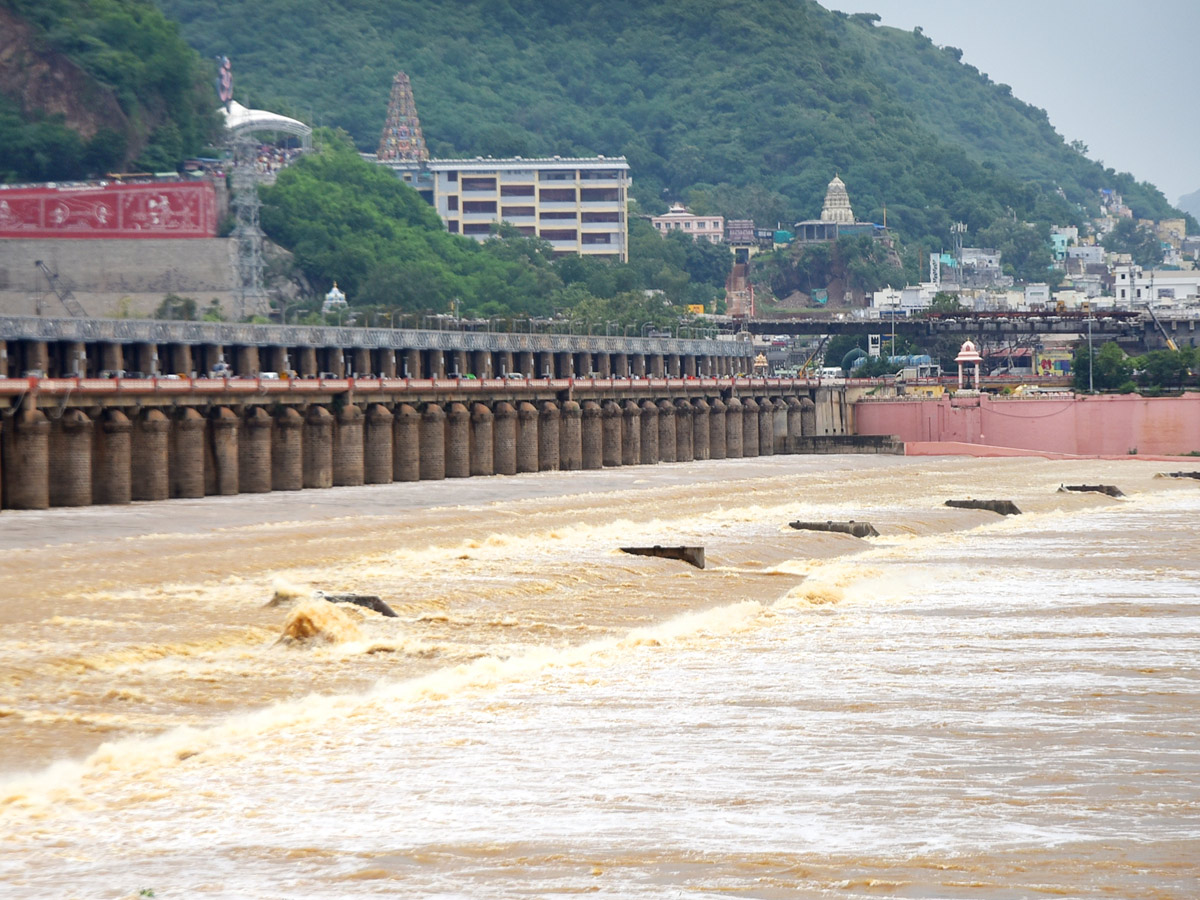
(680, 218)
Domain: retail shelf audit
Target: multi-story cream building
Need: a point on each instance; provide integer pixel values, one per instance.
(578, 205)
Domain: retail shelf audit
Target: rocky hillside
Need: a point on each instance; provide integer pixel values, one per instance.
(89, 86)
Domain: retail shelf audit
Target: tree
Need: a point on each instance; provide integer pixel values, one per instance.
(1108, 369)
(1140, 243)
(945, 303)
(1165, 368)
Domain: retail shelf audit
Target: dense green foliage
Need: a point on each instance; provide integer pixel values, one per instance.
(348, 220)
(746, 110)
(1140, 243)
(1112, 370)
(127, 48)
(857, 263)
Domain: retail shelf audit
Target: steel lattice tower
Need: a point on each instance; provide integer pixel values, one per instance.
(402, 140)
(248, 235)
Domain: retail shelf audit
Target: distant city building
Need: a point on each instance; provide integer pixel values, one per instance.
(680, 218)
(1167, 287)
(578, 205)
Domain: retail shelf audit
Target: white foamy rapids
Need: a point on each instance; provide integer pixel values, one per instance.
(1006, 710)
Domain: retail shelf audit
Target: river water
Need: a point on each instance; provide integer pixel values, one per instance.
(968, 705)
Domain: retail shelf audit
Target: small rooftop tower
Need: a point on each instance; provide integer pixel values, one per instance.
(402, 140)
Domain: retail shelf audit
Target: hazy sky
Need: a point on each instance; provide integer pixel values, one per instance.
(1119, 75)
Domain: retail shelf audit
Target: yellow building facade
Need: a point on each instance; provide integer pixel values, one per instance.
(577, 205)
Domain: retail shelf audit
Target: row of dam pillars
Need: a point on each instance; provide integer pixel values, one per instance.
(73, 358)
(71, 458)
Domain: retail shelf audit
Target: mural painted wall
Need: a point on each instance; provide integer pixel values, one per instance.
(182, 209)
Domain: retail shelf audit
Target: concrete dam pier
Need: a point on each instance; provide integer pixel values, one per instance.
(75, 441)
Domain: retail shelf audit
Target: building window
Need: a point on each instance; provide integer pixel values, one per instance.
(478, 184)
(452, 226)
(597, 238)
(608, 217)
(559, 234)
(512, 212)
(557, 175)
(516, 190)
(477, 228)
(565, 215)
(687, 225)
(452, 176)
(603, 195)
(558, 195)
(598, 174)
(479, 206)
(452, 204)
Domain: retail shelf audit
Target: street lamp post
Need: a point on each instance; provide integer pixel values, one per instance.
(1091, 358)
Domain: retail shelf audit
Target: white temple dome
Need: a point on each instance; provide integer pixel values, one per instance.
(837, 204)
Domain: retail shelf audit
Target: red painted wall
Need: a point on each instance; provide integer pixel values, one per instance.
(183, 209)
(1108, 425)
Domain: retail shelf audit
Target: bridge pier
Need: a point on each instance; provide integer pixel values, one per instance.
(26, 472)
(112, 469)
(306, 362)
(348, 447)
(504, 438)
(221, 453)
(631, 433)
(458, 441)
(185, 460)
(318, 448)
(570, 443)
(717, 414)
(483, 440)
(734, 415)
(254, 452)
(592, 439)
(701, 429)
(406, 443)
(287, 451)
(666, 431)
(649, 429)
(149, 454)
(548, 439)
(749, 427)
(433, 443)
(611, 423)
(766, 428)
(377, 445)
(527, 437)
(70, 459)
(683, 431)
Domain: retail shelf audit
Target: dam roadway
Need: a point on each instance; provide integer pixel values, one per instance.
(339, 417)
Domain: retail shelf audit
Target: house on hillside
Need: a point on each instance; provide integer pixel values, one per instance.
(680, 218)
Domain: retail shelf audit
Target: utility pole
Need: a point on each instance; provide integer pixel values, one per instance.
(1091, 358)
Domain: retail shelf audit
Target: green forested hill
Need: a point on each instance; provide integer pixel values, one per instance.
(744, 109)
(87, 86)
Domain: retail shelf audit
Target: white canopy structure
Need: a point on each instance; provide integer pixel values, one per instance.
(239, 120)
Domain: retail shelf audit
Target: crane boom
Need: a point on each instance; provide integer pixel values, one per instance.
(65, 296)
(1163, 331)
